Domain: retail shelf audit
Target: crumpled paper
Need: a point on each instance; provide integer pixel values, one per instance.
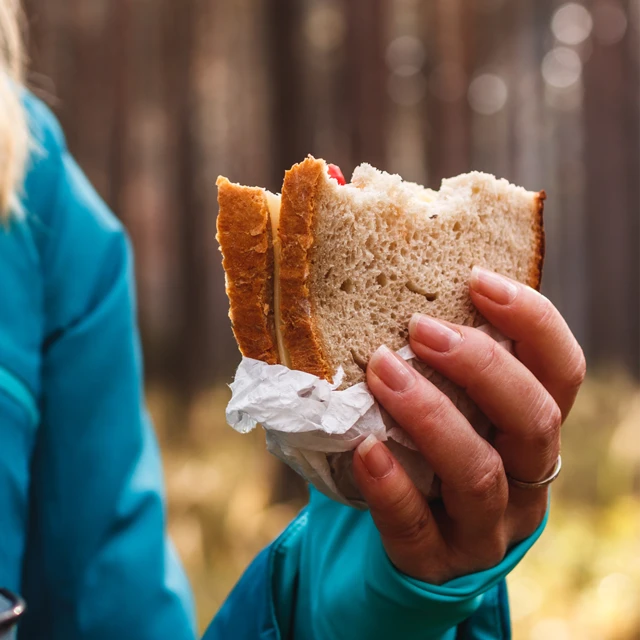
(313, 426)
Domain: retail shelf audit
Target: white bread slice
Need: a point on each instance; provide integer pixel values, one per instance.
(354, 262)
(358, 260)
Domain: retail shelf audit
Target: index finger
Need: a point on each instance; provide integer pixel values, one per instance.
(542, 339)
(473, 480)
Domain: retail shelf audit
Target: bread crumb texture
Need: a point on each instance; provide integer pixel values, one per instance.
(384, 249)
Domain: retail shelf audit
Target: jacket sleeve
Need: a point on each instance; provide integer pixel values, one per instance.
(98, 563)
(349, 588)
(328, 578)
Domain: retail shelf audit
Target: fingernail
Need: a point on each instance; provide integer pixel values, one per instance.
(375, 456)
(392, 370)
(493, 286)
(432, 333)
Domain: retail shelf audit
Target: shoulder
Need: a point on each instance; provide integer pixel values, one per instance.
(56, 192)
(43, 124)
(61, 257)
(21, 308)
(81, 243)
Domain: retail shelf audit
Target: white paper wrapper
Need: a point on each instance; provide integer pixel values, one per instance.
(314, 427)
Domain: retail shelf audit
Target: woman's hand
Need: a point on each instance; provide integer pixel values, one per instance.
(526, 397)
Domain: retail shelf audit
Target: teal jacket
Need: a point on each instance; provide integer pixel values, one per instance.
(82, 515)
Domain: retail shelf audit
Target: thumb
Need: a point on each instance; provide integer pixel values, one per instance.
(400, 512)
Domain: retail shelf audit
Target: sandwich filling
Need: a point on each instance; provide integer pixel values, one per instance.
(273, 203)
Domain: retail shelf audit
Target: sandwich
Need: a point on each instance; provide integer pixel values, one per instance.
(322, 275)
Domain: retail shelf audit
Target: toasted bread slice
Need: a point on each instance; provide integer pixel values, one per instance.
(245, 238)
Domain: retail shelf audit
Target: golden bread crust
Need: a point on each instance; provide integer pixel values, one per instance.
(296, 232)
(535, 275)
(244, 235)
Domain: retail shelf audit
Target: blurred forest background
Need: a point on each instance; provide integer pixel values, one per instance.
(157, 97)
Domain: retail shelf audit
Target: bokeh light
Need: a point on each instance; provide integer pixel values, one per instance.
(561, 68)
(488, 94)
(525, 596)
(571, 23)
(325, 26)
(551, 629)
(405, 55)
(609, 22)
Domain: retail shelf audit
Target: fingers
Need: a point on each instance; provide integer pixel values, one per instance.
(543, 341)
(473, 482)
(411, 533)
(400, 512)
(524, 413)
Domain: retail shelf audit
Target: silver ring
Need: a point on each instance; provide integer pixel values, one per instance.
(536, 485)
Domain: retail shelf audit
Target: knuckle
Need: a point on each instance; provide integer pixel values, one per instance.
(426, 406)
(488, 357)
(489, 480)
(438, 406)
(545, 313)
(400, 503)
(413, 532)
(548, 425)
(403, 520)
(578, 371)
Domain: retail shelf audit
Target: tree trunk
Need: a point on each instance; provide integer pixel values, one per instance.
(449, 118)
(612, 205)
(292, 140)
(366, 81)
(179, 37)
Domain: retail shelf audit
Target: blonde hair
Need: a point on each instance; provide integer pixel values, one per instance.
(14, 129)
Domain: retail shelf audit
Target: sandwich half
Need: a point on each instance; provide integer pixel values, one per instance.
(319, 277)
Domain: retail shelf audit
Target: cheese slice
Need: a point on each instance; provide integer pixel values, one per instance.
(273, 202)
